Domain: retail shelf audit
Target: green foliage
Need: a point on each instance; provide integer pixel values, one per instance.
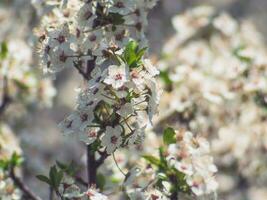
(236, 53)
(116, 18)
(100, 181)
(152, 160)
(169, 136)
(3, 50)
(133, 54)
(54, 179)
(166, 172)
(69, 169)
(14, 161)
(164, 75)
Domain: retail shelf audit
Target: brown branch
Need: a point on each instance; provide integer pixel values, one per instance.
(91, 167)
(76, 65)
(24, 188)
(101, 160)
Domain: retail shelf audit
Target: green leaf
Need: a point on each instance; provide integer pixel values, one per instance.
(44, 179)
(53, 176)
(164, 75)
(152, 160)
(100, 181)
(116, 18)
(236, 52)
(4, 50)
(4, 164)
(130, 52)
(61, 165)
(16, 159)
(141, 53)
(169, 136)
(59, 178)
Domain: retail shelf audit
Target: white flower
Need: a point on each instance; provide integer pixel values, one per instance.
(86, 15)
(112, 139)
(152, 70)
(89, 135)
(92, 194)
(117, 76)
(126, 110)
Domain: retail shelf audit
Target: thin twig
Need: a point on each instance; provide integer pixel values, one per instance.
(24, 188)
(101, 160)
(118, 165)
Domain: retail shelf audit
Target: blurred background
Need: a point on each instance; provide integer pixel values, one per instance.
(41, 140)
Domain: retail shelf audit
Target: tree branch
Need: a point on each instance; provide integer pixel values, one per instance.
(24, 188)
(91, 167)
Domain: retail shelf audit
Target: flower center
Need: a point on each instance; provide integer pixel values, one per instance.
(118, 77)
(113, 139)
(92, 134)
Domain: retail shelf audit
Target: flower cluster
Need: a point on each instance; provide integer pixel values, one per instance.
(7, 188)
(191, 156)
(215, 74)
(19, 79)
(79, 32)
(117, 103)
(9, 145)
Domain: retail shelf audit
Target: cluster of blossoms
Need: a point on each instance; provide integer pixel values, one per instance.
(120, 94)
(7, 188)
(191, 156)
(214, 70)
(115, 106)
(19, 79)
(20, 89)
(9, 145)
(79, 32)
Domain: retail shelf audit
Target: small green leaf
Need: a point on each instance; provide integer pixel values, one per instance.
(59, 178)
(44, 179)
(4, 50)
(130, 52)
(53, 176)
(141, 53)
(100, 181)
(152, 160)
(165, 77)
(116, 18)
(16, 160)
(169, 136)
(61, 165)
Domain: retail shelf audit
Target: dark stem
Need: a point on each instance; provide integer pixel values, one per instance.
(24, 188)
(81, 181)
(174, 196)
(5, 99)
(51, 193)
(101, 160)
(81, 71)
(91, 166)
